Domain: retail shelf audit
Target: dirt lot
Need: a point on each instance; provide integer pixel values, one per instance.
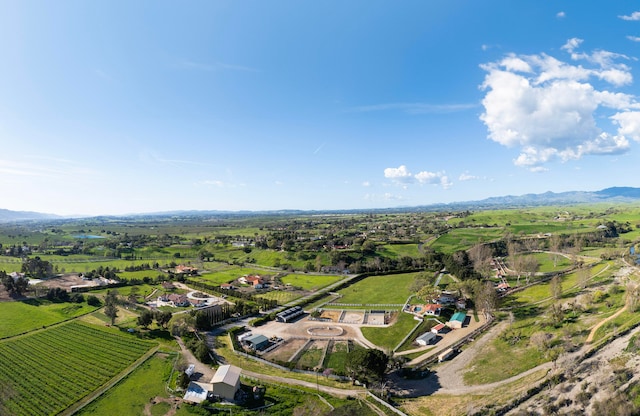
(64, 282)
(375, 319)
(333, 315)
(286, 350)
(353, 317)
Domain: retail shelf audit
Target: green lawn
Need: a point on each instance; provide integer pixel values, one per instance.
(226, 274)
(398, 250)
(130, 396)
(281, 296)
(386, 289)
(388, 338)
(20, 317)
(310, 281)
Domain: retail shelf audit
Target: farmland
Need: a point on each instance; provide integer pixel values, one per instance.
(49, 370)
(20, 317)
(298, 257)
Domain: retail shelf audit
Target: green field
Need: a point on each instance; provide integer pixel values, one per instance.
(281, 296)
(310, 281)
(388, 338)
(398, 250)
(387, 289)
(47, 371)
(131, 395)
(21, 317)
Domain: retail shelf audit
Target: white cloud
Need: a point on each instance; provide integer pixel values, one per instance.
(634, 38)
(399, 174)
(628, 124)
(572, 44)
(366, 184)
(561, 15)
(632, 16)
(465, 176)
(403, 177)
(552, 109)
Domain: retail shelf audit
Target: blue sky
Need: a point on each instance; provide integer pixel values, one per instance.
(113, 107)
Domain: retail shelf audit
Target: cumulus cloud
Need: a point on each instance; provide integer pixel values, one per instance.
(556, 110)
(634, 38)
(632, 16)
(561, 15)
(403, 177)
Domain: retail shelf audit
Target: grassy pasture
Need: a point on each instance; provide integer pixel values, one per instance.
(131, 395)
(20, 317)
(310, 281)
(398, 250)
(388, 338)
(542, 291)
(226, 274)
(393, 289)
(281, 296)
(465, 238)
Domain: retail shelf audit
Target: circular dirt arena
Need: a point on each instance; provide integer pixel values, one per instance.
(325, 331)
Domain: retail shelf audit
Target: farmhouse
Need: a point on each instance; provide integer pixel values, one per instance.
(432, 309)
(457, 320)
(255, 281)
(175, 299)
(227, 286)
(226, 381)
(257, 342)
(185, 269)
(426, 338)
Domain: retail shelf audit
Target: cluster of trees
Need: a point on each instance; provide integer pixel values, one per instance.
(106, 272)
(366, 365)
(14, 286)
(147, 317)
(37, 268)
(208, 318)
(141, 267)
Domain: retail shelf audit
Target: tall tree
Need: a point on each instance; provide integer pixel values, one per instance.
(110, 308)
(486, 299)
(111, 311)
(145, 319)
(555, 286)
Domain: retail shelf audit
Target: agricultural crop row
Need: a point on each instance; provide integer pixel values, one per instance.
(48, 371)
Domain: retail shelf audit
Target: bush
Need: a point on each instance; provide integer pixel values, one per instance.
(93, 301)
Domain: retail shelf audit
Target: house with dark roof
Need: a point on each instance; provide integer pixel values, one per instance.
(257, 342)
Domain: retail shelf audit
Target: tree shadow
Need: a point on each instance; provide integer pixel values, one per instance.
(413, 383)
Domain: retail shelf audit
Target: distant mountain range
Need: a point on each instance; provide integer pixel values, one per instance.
(15, 216)
(611, 195)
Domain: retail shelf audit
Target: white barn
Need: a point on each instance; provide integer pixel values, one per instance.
(226, 381)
